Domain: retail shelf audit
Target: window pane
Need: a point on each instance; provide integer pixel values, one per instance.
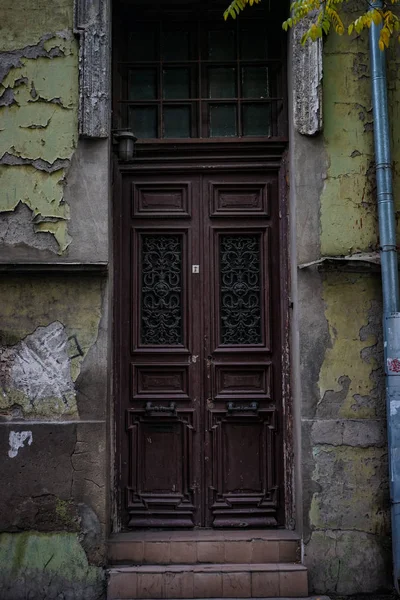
(255, 81)
(177, 122)
(142, 84)
(175, 45)
(221, 45)
(142, 44)
(222, 120)
(176, 84)
(253, 44)
(222, 82)
(257, 119)
(143, 121)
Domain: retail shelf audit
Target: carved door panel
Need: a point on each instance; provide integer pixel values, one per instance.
(161, 456)
(242, 332)
(200, 350)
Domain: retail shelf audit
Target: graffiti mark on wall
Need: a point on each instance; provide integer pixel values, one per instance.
(17, 440)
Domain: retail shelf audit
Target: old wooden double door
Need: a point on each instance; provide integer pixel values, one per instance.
(200, 349)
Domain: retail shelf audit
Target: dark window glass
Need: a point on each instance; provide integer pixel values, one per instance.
(143, 121)
(176, 84)
(177, 121)
(255, 82)
(222, 82)
(201, 78)
(253, 44)
(143, 43)
(222, 120)
(175, 45)
(142, 84)
(221, 45)
(256, 119)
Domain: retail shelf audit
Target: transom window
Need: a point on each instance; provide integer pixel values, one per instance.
(201, 77)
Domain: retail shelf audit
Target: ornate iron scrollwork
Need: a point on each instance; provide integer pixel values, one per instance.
(161, 318)
(240, 289)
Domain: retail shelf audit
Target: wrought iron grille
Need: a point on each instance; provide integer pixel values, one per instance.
(240, 281)
(161, 293)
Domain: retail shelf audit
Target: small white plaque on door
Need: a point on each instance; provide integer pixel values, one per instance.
(195, 268)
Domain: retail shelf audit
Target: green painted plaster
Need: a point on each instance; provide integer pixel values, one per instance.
(24, 22)
(350, 493)
(348, 300)
(39, 559)
(76, 303)
(348, 207)
(39, 119)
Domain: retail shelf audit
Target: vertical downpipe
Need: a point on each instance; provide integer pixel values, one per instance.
(390, 280)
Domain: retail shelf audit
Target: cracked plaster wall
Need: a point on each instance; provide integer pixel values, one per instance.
(38, 111)
(53, 402)
(54, 191)
(44, 168)
(345, 499)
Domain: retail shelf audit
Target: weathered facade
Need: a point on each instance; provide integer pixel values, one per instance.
(59, 492)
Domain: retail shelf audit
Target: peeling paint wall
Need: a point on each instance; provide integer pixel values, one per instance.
(54, 230)
(345, 497)
(38, 111)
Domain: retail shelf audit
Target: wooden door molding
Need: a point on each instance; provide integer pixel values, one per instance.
(209, 404)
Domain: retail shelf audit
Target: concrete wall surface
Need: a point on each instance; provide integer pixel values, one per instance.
(54, 247)
(343, 483)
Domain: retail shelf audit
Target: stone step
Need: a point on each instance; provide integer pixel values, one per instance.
(274, 580)
(191, 547)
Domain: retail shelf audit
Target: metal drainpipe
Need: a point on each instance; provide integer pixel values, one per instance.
(390, 280)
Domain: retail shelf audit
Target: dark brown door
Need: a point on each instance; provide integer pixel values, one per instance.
(200, 350)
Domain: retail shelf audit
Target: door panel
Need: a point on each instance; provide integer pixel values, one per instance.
(243, 398)
(200, 350)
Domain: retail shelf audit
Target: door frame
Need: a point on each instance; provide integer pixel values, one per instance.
(206, 155)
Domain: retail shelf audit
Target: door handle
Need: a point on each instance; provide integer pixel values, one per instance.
(235, 407)
(150, 407)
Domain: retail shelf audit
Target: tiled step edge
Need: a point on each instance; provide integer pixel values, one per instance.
(203, 551)
(319, 597)
(208, 581)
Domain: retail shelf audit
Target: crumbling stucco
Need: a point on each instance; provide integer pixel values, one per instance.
(35, 374)
(38, 565)
(92, 24)
(307, 82)
(345, 444)
(38, 113)
(348, 203)
(42, 352)
(348, 376)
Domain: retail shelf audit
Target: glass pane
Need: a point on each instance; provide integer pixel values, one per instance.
(253, 44)
(240, 280)
(222, 82)
(161, 294)
(177, 122)
(176, 84)
(143, 121)
(221, 45)
(142, 84)
(256, 119)
(222, 120)
(142, 44)
(175, 45)
(255, 82)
